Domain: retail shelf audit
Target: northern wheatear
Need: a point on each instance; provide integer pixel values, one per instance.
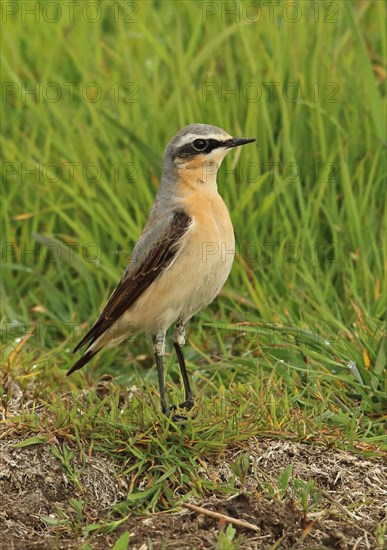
(183, 257)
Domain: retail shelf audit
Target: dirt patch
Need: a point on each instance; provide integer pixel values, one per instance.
(350, 491)
(189, 530)
(351, 500)
(34, 484)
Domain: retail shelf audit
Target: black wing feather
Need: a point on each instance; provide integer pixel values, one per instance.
(131, 287)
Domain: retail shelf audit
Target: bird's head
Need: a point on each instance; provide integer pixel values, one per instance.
(195, 153)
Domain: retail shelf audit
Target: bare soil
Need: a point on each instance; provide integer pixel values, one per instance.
(352, 501)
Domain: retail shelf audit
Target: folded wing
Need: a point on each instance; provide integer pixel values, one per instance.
(161, 245)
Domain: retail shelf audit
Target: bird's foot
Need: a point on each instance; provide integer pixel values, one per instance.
(188, 404)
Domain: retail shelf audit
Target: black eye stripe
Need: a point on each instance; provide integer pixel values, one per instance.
(188, 150)
(214, 144)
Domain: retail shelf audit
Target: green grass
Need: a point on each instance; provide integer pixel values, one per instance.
(306, 296)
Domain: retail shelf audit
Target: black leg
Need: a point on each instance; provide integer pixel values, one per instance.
(189, 398)
(160, 373)
(159, 350)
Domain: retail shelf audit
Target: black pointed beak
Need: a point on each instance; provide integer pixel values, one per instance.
(235, 142)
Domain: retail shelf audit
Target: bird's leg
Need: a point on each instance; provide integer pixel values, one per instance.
(159, 350)
(178, 342)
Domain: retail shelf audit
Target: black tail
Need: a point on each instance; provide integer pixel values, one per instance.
(83, 360)
(84, 340)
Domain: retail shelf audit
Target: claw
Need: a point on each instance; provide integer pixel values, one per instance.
(185, 405)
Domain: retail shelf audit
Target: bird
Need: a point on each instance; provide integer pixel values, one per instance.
(181, 260)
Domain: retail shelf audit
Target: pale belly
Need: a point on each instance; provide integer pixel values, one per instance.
(192, 281)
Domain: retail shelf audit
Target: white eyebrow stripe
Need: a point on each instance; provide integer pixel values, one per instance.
(188, 138)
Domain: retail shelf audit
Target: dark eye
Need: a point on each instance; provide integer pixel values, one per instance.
(199, 144)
